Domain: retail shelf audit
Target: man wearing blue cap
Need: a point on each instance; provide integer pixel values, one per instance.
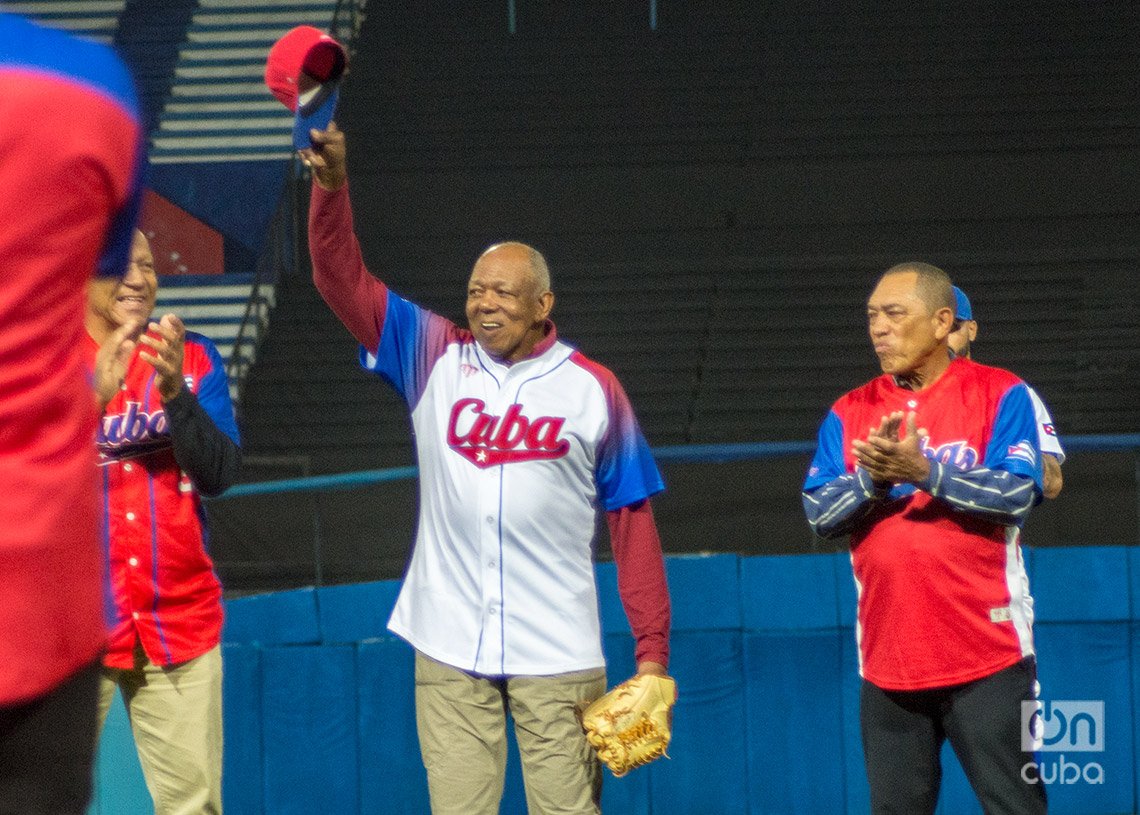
(963, 333)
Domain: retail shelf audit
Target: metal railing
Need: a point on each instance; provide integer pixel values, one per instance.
(312, 497)
(692, 453)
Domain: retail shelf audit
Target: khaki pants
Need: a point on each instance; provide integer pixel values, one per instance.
(176, 717)
(461, 718)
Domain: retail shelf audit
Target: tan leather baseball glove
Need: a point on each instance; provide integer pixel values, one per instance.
(632, 724)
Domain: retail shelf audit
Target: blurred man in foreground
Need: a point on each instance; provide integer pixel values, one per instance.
(70, 160)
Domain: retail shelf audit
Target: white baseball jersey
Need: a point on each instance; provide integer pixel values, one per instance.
(514, 460)
(1046, 432)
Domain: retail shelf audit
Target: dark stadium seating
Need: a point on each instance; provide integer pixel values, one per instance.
(715, 196)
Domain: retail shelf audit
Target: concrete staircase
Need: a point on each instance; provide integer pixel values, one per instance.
(93, 19)
(219, 311)
(219, 108)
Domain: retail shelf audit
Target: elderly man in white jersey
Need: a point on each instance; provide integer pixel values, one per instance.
(520, 438)
(962, 335)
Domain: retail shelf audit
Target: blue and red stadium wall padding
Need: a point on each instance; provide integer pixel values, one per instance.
(319, 702)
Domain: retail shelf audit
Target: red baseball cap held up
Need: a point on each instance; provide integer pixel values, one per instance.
(303, 49)
(303, 71)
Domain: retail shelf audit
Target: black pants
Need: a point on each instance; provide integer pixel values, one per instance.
(47, 749)
(903, 732)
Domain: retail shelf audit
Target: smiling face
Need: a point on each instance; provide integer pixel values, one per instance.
(116, 301)
(507, 305)
(908, 335)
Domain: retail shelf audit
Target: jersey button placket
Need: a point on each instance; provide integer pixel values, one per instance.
(490, 556)
(489, 545)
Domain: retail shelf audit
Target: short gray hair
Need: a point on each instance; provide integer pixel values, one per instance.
(538, 265)
(934, 286)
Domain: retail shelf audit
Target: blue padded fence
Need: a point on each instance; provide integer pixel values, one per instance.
(319, 702)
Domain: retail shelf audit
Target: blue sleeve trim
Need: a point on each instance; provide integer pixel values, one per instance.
(625, 471)
(214, 389)
(636, 479)
(121, 234)
(395, 359)
(1014, 444)
(38, 48)
(828, 462)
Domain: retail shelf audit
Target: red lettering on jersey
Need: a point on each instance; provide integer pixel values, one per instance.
(544, 432)
(487, 441)
(513, 429)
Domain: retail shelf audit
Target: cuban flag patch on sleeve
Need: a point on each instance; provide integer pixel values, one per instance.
(1024, 451)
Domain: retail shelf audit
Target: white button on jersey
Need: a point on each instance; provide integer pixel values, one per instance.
(130, 516)
(134, 561)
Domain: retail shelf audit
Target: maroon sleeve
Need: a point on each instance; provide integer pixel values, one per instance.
(641, 579)
(354, 295)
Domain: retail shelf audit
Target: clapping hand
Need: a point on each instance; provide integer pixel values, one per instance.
(166, 341)
(111, 361)
(889, 459)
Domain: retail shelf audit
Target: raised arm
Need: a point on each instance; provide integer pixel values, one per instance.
(354, 295)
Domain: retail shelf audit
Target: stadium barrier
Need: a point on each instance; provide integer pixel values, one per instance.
(319, 699)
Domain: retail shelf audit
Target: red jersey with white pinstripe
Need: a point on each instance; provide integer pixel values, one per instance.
(164, 592)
